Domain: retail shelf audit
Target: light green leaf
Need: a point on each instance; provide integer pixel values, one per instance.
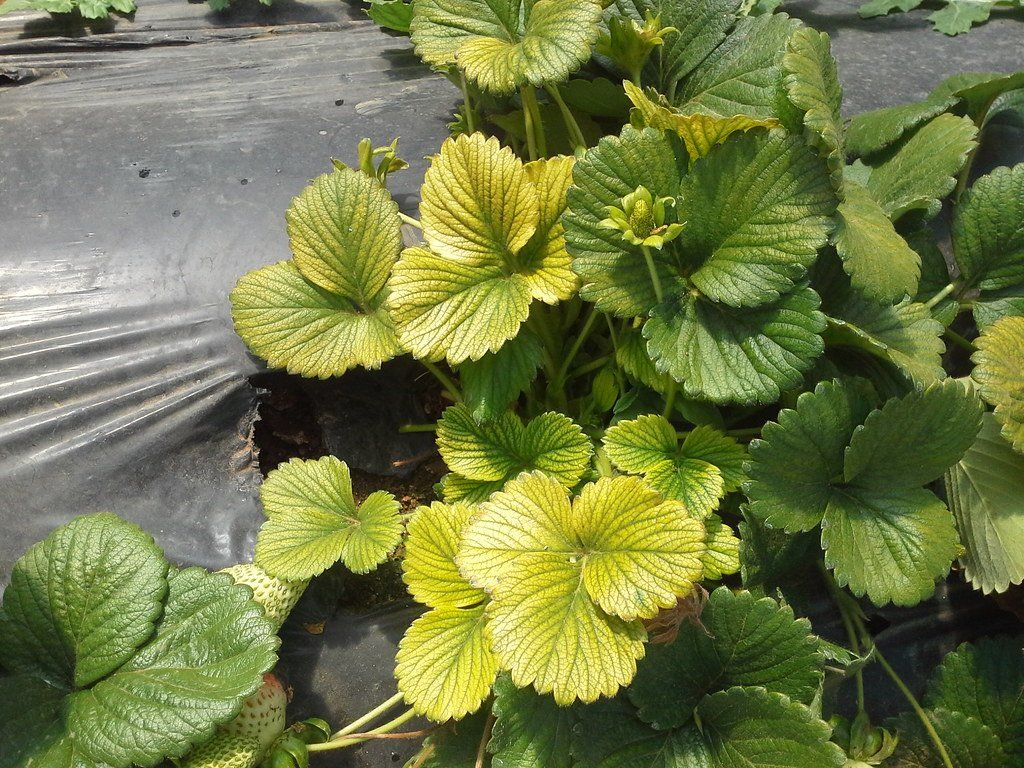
(988, 237)
(812, 82)
(923, 170)
(879, 261)
(210, 651)
(322, 313)
(428, 568)
(497, 243)
(740, 641)
(736, 200)
(870, 132)
(859, 474)
(904, 335)
(985, 681)
(391, 14)
(445, 665)
(723, 549)
(968, 743)
(960, 15)
(549, 565)
(530, 731)
(503, 44)
(753, 728)
(699, 132)
(631, 355)
(500, 449)
(320, 522)
(82, 601)
(911, 441)
(293, 324)
(613, 271)
(743, 75)
(889, 545)
(999, 371)
(747, 356)
(986, 494)
(697, 473)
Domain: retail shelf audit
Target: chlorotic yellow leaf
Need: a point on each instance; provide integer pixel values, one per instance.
(313, 522)
(722, 557)
(428, 567)
(1000, 373)
(445, 665)
(545, 263)
(699, 131)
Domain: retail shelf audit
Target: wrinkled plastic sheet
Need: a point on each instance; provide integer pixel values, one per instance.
(146, 164)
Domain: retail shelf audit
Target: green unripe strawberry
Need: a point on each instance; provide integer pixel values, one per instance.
(225, 752)
(277, 596)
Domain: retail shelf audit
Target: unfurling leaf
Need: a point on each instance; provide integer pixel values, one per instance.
(313, 521)
(569, 581)
(858, 472)
(495, 245)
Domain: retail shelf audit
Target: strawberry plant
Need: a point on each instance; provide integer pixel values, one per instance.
(694, 330)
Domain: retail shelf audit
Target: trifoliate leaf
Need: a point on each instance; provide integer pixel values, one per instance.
(986, 494)
(82, 601)
(614, 272)
(428, 567)
(968, 743)
(904, 335)
(498, 450)
(858, 474)
(726, 355)
(697, 473)
(313, 522)
(740, 641)
(445, 665)
(700, 132)
(812, 82)
(530, 730)
(922, 170)
(743, 75)
(492, 383)
(322, 313)
(504, 44)
(497, 243)
(752, 727)
(700, 26)
(116, 664)
(296, 325)
(879, 261)
(988, 239)
(985, 681)
(870, 132)
(999, 371)
(391, 14)
(549, 565)
(753, 185)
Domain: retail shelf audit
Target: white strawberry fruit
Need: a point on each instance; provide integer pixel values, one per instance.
(277, 596)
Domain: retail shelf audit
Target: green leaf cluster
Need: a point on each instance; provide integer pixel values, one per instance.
(114, 659)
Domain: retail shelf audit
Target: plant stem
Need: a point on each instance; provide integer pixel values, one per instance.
(575, 132)
(934, 300)
(634, 76)
(655, 280)
(406, 429)
(614, 336)
(410, 221)
(670, 398)
(466, 104)
(358, 738)
(851, 633)
(446, 381)
(959, 340)
(593, 365)
(588, 326)
(481, 751)
(534, 128)
(370, 716)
